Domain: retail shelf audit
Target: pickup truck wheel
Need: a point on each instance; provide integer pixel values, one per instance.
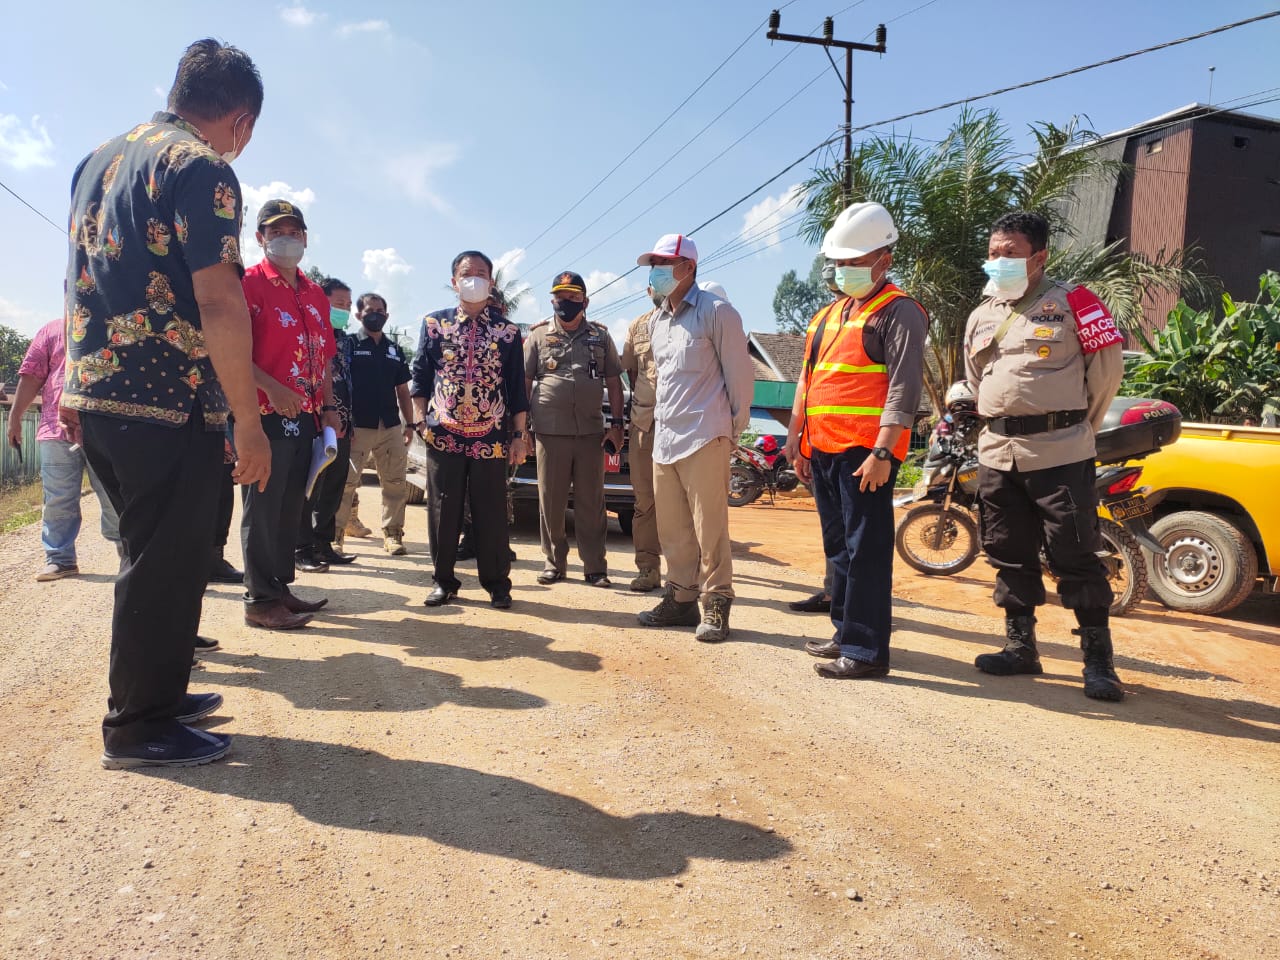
(416, 493)
(1211, 566)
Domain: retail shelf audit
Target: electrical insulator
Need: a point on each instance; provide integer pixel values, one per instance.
(881, 35)
(775, 21)
(828, 28)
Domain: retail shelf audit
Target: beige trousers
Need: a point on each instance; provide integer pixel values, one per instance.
(391, 459)
(644, 525)
(692, 499)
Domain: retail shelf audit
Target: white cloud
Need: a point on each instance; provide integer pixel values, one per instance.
(388, 274)
(23, 319)
(253, 199)
(412, 172)
(299, 16)
(763, 225)
(23, 146)
(529, 310)
(364, 26)
(160, 92)
(4, 87)
(383, 265)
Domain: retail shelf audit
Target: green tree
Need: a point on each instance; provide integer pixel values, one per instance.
(796, 301)
(510, 292)
(1212, 366)
(944, 198)
(315, 274)
(13, 347)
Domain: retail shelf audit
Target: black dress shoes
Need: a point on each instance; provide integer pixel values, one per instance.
(818, 603)
(224, 572)
(844, 668)
(439, 596)
(307, 560)
(501, 601)
(326, 554)
(822, 648)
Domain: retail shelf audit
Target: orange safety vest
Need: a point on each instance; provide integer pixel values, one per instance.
(846, 390)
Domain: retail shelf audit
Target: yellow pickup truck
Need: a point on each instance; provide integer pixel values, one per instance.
(1218, 516)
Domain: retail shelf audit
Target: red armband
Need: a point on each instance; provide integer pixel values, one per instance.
(1094, 325)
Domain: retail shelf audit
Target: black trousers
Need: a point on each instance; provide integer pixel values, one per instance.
(1058, 507)
(226, 505)
(319, 526)
(269, 524)
(452, 480)
(163, 482)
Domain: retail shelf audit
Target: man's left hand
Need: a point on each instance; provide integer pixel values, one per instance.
(615, 434)
(519, 451)
(69, 420)
(873, 474)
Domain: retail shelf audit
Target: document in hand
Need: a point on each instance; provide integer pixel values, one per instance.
(324, 450)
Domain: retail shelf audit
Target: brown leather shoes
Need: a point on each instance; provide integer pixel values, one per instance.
(295, 605)
(845, 668)
(274, 616)
(822, 648)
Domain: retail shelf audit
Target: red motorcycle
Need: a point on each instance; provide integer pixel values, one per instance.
(757, 469)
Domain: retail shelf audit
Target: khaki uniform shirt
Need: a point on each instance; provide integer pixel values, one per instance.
(568, 371)
(1039, 366)
(637, 356)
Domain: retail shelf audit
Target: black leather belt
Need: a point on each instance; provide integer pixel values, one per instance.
(1039, 423)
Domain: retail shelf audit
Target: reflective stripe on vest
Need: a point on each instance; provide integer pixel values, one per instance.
(846, 391)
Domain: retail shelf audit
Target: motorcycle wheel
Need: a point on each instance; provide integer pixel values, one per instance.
(935, 542)
(1126, 567)
(744, 488)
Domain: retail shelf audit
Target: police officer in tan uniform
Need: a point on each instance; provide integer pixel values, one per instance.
(1045, 360)
(642, 374)
(568, 361)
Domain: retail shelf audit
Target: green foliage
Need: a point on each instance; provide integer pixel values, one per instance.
(796, 301)
(13, 347)
(944, 198)
(315, 274)
(1210, 366)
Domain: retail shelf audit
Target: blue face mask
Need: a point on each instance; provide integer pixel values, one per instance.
(663, 280)
(1008, 276)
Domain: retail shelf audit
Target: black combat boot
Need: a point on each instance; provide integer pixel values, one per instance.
(1100, 680)
(1019, 654)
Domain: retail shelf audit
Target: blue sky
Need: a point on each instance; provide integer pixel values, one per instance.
(410, 131)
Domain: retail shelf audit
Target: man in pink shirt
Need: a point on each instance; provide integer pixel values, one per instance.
(62, 463)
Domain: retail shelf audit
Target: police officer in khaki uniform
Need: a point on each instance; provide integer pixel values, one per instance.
(568, 361)
(1045, 360)
(642, 374)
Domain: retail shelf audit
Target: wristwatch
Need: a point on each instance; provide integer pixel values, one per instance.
(882, 453)
(328, 408)
(517, 434)
(615, 421)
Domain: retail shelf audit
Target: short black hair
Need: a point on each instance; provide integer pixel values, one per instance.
(1031, 225)
(453, 271)
(215, 79)
(330, 284)
(366, 297)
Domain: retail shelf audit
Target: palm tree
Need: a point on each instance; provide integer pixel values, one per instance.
(944, 198)
(510, 292)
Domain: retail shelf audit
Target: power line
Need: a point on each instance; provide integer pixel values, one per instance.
(31, 208)
(652, 133)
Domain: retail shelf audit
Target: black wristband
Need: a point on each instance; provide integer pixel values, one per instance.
(327, 408)
(615, 421)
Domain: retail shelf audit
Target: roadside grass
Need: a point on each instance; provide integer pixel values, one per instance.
(19, 505)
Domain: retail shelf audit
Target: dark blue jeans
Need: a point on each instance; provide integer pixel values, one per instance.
(857, 537)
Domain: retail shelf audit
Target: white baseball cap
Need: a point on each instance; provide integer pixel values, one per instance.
(670, 245)
(713, 288)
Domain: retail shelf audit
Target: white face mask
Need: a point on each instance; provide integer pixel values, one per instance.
(234, 152)
(473, 289)
(286, 251)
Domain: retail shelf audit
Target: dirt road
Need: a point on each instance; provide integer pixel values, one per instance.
(556, 781)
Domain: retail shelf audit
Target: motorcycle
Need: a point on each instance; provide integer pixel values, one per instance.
(941, 535)
(759, 469)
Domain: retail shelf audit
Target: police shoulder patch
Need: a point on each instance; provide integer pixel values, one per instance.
(539, 325)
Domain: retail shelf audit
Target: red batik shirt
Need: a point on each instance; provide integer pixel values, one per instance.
(292, 339)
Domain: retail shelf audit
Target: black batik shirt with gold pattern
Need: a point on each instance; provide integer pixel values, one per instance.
(148, 209)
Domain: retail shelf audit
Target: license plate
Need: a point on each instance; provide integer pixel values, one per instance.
(1130, 509)
(613, 463)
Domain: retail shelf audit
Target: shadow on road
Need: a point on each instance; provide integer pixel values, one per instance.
(467, 809)
(365, 682)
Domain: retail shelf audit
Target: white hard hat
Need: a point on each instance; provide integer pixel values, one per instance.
(960, 394)
(858, 230)
(713, 288)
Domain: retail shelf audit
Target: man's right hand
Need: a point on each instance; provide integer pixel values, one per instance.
(803, 468)
(15, 432)
(283, 400)
(253, 456)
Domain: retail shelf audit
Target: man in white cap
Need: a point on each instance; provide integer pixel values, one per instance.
(850, 428)
(703, 404)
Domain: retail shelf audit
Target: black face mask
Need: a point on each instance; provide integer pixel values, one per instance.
(374, 322)
(568, 310)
